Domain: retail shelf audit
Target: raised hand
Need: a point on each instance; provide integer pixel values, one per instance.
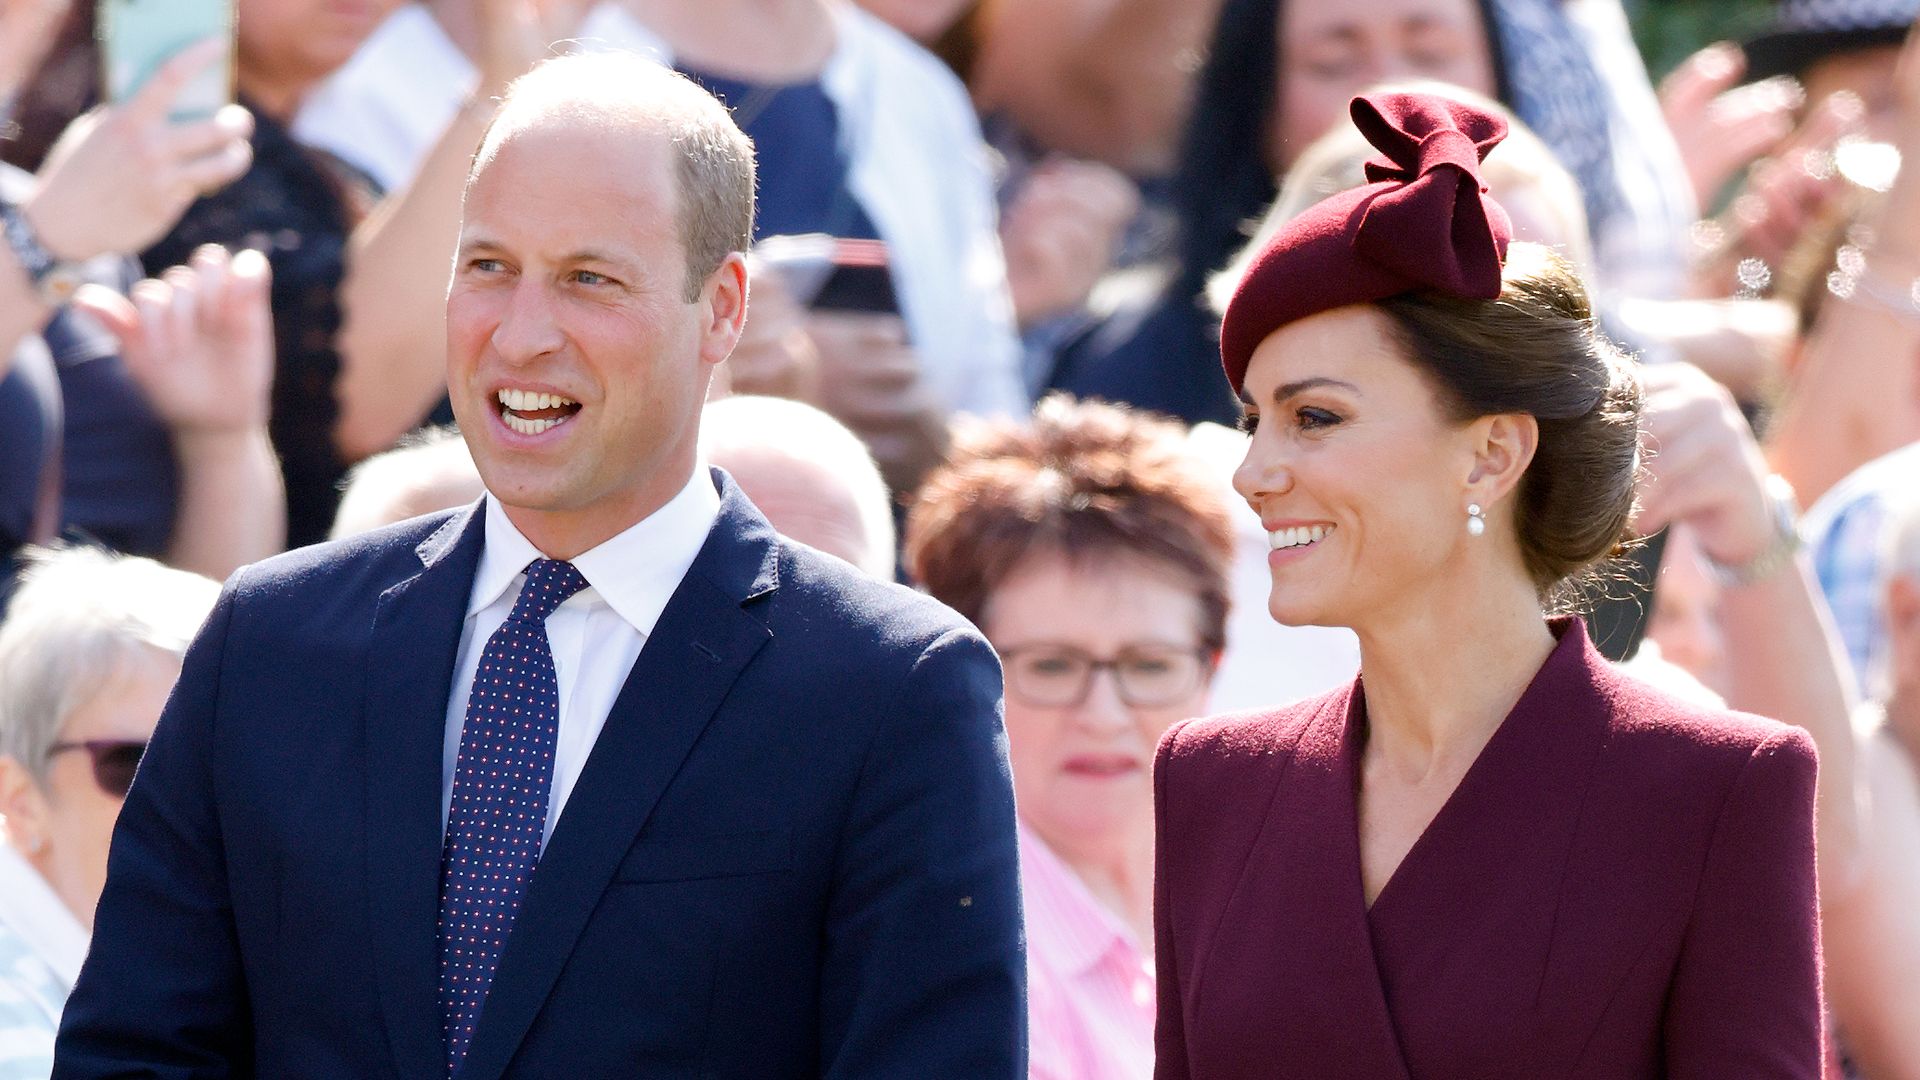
(198, 341)
(1060, 234)
(121, 176)
(871, 380)
(1720, 126)
(1704, 468)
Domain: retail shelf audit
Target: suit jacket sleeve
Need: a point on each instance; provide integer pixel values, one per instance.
(1745, 999)
(162, 994)
(925, 972)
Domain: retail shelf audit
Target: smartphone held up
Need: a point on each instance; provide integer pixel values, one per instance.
(138, 37)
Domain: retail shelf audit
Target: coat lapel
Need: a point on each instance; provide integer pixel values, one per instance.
(703, 641)
(1467, 922)
(412, 650)
(1298, 922)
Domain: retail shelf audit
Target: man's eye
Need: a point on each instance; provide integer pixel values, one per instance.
(588, 277)
(487, 266)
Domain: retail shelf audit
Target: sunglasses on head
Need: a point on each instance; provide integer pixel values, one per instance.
(114, 761)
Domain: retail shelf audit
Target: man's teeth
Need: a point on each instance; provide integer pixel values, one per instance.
(526, 426)
(528, 401)
(1298, 536)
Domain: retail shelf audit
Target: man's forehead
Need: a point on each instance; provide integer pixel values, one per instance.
(583, 163)
(574, 133)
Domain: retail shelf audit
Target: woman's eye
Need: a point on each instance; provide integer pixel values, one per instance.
(1311, 418)
(1249, 422)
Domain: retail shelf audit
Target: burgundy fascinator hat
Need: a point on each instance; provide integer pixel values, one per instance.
(1424, 222)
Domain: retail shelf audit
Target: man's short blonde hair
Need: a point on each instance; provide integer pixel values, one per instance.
(618, 91)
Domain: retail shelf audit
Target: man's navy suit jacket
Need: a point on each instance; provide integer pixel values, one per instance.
(791, 853)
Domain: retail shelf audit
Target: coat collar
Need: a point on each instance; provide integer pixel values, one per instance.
(1299, 917)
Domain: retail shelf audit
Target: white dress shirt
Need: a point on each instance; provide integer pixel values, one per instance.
(596, 635)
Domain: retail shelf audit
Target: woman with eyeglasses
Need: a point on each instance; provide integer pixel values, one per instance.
(1092, 552)
(89, 650)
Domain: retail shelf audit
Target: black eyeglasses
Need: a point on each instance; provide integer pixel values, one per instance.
(1060, 676)
(114, 761)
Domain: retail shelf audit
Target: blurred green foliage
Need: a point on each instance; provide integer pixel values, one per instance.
(1670, 30)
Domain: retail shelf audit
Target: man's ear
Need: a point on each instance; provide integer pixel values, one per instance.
(723, 308)
(1503, 446)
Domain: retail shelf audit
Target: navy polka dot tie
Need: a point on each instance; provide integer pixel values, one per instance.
(501, 782)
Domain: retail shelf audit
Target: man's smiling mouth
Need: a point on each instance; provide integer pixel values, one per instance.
(531, 412)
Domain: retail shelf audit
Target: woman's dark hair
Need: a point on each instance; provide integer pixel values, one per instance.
(1536, 350)
(1223, 183)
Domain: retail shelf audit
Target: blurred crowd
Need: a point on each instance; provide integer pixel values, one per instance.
(982, 357)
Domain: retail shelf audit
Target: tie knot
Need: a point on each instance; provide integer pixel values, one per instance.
(549, 583)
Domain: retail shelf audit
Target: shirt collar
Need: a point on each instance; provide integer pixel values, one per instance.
(30, 908)
(634, 572)
(1068, 928)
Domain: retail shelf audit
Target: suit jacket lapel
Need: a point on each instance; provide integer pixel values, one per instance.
(703, 641)
(410, 658)
(1298, 919)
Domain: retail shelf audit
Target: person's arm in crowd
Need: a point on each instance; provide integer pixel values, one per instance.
(1855, 393)
(392, 344)
(199, 342)
(1784, 660)
(1119, 74)
(1872, 938)
(27, 28)
(1742, 344)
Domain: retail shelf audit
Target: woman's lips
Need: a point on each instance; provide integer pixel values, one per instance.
(1101, 766)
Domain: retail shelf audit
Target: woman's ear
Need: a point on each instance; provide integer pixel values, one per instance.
(1503, 446)
(23, 805)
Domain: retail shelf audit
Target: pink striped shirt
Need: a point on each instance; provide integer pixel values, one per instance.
(1090, 989)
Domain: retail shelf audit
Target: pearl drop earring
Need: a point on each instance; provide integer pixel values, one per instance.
(1476, 519)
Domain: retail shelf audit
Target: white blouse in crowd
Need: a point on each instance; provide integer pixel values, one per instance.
(41, 947)
(915, 161)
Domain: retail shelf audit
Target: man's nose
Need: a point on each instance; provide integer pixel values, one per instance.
(528, 328)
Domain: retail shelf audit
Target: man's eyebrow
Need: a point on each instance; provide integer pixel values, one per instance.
(1294, 389)
(591, 255)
